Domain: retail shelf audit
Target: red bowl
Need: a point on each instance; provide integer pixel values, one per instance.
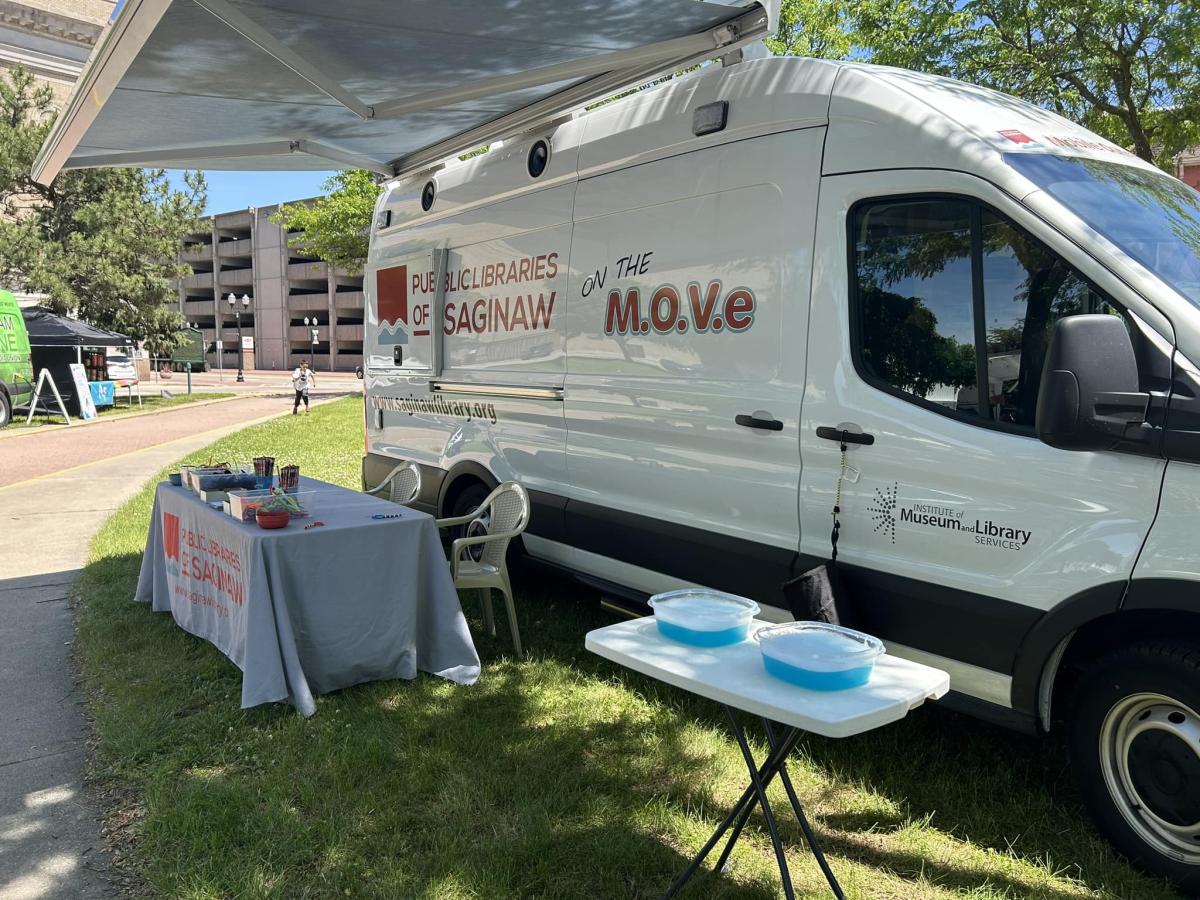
(269, 519)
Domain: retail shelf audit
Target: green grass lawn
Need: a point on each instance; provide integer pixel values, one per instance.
(120, 408)
(557, 776)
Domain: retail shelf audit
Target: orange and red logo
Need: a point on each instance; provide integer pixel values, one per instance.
(171, 535)
(391, 287)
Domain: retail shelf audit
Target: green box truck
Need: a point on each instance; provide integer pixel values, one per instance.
(16, 369)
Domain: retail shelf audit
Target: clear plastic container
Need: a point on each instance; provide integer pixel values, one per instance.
(244, 505)
(818, 656)
(703, 618)
(191, 475)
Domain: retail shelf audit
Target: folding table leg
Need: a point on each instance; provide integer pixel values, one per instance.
(776, 764)
(813, 844)
(761, 792)
(760, 778)
(742, 807)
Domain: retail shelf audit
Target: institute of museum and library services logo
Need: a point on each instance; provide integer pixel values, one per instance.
(889, 514)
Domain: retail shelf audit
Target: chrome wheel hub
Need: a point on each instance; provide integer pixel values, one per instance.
(1150, 757)
(478, 527)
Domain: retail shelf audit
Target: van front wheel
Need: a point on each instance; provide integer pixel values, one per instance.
(1135, 744)
(5, 409)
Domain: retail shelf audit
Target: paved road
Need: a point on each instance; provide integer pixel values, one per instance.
(257, 380)
(50, 843)
(31, 455)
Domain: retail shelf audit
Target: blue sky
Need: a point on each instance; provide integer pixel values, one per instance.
(228, 191)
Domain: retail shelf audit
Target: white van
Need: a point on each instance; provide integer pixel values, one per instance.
(663, 315)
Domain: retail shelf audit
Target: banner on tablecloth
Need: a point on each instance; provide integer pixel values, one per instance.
(201, 569)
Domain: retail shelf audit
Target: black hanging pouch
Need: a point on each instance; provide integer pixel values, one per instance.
(820, 595)
(817, 595)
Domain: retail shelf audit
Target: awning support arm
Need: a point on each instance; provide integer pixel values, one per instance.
(709, 42)
(269, 44)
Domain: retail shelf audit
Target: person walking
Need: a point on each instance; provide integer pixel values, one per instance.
(302, 380)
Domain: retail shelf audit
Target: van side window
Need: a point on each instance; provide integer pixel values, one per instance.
(913, 272)
(1027, 288)
(948, 295)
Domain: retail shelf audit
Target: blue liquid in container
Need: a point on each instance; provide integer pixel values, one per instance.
(818, 681)
(697, 638)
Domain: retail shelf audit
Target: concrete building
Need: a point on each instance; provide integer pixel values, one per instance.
(246, 254)
(1187, 167)
(51, 38)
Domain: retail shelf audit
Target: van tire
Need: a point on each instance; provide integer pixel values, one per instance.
(5, 409)
(1134, 740)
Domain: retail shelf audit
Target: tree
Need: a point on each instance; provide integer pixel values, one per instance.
(822, 29)
(337, 227)
(1124, 68)
(901, 343)
(100, 243)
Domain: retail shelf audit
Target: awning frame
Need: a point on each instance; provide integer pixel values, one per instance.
(262, 148)
(727, 38)
(604, 74)
(285, 56)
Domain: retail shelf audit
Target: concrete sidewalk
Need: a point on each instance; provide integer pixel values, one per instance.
(50, 843)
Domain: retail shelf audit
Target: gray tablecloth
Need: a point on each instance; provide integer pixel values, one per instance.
(303, 612)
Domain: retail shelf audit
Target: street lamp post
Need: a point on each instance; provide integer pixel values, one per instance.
(187, 366)
(313, 323)
(233, 305)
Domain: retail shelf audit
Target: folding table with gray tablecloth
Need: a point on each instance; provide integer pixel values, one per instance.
(308, 611)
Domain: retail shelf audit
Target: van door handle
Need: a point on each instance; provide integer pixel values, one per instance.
(755, 422)
(829, 433)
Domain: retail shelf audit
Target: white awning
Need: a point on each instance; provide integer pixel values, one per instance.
(388, 85)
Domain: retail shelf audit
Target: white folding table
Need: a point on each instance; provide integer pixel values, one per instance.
(734, 677)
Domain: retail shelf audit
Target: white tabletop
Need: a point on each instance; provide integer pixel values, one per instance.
(734, 675)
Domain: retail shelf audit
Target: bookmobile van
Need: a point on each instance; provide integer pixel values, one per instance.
(16, 368)
(663, 316)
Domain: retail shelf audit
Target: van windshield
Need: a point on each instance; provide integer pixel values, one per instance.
(1154, 218)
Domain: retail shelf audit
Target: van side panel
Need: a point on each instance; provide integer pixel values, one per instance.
(958, 536)
(505, 305)
(688, 310)
(1167, 567)
(501, 326)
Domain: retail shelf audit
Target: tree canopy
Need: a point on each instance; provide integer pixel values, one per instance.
(337, 227)
(102, 244)
(1124, 68)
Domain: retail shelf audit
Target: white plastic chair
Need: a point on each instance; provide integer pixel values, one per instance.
(404, 481)
(501, 516)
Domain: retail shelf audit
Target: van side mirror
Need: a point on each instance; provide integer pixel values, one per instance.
(1089, 397)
